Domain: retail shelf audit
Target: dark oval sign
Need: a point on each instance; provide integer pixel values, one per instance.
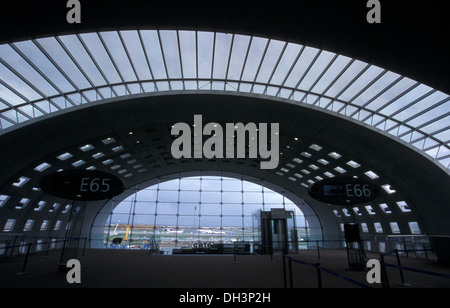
(84, 185)
(344, 191)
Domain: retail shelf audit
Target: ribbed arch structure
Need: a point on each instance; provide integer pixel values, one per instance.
(46, 75)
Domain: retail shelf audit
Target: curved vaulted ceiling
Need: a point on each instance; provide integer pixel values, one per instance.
(106, 100)
(42, 76)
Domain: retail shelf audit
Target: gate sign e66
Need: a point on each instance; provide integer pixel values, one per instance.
(84, 185)
(344, 191)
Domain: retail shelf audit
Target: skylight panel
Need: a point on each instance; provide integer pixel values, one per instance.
(21, 181)
(42, 167)
(314, 167)
(108, 140)
(301, 66)
(64, 156)
(394, 227)
(254, 58)
(403, 206)
(323, 161)
(119, 56)
(385, 208)
(13, 59)
(221, 55)
(297, 160)
(387, 188)
(137, 56)
(363, 80)
(78, 163)
(98, 155)
(65, 63)
(188, 53)
(335, 155)
(205, 44)
(152, 47)
(414, 227)
(340, 170)
(353, 164)
(171, 55)
(118, 148)
(371, 175)
(306, 154)
(270, 60)
(87, 147)
(16, 83)
(336, 68)
(9, 225)
(287, 60)
(40, 206)
(378, 227)
(315, 147)
(3, 200)
(329, 174)
(413, 93)
(238, 56)
(22, 204)
(98, 52)
(344, 79)
(369, 210)
(321, 63)
(82, 58)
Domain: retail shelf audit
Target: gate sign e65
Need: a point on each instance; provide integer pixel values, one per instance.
(83, 185)
(344, 191)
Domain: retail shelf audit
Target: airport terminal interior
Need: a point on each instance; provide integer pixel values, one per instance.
(360, 157)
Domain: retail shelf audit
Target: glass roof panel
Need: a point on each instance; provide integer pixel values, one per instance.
(25, 71)
(301, 66)
(270, 61)
(101, 57)
(119, 55)
(188, 53)
(134, 47)
(221, 54)
(43, 64)
(345, 78)
(317, 69)
(82, 58)
(61, 58)
(256, 52)
(171, 54)
(153, 50)
(238, 56)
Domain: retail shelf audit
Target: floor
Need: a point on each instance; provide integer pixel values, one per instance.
(134, 268)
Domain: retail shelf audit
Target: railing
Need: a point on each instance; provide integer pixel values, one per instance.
(26, 248)
(385, 278)
(319, 270)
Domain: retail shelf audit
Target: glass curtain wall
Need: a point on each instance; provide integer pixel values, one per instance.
(189, 211)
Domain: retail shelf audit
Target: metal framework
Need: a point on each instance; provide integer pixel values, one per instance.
(46, 75)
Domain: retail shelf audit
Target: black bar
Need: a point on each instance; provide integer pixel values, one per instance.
(284, 271)
(400, 267)
(384, 277)
(26, 259)
(319, 276)
(290, 274)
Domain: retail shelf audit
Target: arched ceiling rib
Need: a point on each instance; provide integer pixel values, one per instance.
(47, 75)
